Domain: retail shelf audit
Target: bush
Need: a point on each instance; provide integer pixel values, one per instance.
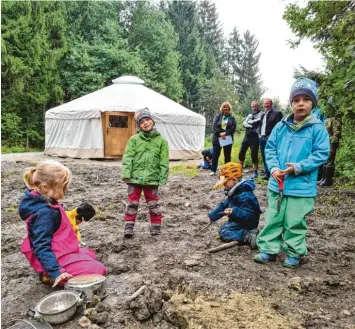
(345, 158)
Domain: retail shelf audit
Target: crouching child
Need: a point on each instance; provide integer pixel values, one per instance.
(241, 206)
(207, 159)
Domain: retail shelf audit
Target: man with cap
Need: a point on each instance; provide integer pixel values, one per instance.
(145, 166)
(241, 206)
(297, 146)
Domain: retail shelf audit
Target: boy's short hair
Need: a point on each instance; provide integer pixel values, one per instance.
(305, 86)
(228, 171)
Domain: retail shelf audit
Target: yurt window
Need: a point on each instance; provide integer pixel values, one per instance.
(118, 121)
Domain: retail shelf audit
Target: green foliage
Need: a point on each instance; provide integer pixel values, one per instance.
(330, 25)
(57, 51)
(183, 16)
(155, 39)
(212, 94)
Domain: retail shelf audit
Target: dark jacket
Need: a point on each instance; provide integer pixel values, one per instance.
(43, 224)
(273, 117)
(207, 158)
(217, 127)
(245, 205)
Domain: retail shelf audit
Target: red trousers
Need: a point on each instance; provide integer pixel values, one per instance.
(151, 197)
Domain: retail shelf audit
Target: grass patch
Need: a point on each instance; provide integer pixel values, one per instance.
(18, 149)
(187, 170)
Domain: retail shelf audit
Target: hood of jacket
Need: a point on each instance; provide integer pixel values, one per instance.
(30, 203)
(246, 185)
(314, 120)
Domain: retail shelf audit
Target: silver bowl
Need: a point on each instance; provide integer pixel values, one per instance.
(57, 307)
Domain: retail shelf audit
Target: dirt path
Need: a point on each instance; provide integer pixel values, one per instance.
(187, 287)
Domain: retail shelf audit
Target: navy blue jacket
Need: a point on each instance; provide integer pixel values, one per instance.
(43, 224)
(245, 205)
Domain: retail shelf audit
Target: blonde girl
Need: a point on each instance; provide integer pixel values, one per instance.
(51, 245)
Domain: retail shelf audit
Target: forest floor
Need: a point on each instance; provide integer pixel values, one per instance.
(186, 286)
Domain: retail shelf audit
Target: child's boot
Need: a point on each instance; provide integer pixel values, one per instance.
(155, 229)
(263, 258)
(128, 230)
(291, 262)
(250, 238)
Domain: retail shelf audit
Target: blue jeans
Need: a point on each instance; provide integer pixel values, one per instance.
(231, 231)
(227, 150)
(262, 143)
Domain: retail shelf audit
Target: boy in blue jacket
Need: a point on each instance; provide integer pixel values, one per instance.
(297, 146)
(241, 206)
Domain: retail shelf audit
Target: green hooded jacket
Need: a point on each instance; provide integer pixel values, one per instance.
(146, 159)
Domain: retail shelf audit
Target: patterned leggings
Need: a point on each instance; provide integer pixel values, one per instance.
(151, 197)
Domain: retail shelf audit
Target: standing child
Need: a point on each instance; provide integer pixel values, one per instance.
(51, 246)
(298, 145)
(241, 206)
(145, 166)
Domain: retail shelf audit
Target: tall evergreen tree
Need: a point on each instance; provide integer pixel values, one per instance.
(212, 35)
(154, 37)
(243, 67)
(98, 51)
(183, 15)
(33, 43)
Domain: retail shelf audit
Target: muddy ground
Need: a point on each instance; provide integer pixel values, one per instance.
(186, 286)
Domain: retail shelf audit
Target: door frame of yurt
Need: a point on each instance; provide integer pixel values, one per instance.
(117, 128)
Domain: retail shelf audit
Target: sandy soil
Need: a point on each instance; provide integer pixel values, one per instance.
(186, 286)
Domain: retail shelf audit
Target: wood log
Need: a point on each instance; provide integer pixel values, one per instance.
(223, 246)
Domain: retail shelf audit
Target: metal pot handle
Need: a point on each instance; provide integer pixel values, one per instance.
(32, 312)
(81, 298)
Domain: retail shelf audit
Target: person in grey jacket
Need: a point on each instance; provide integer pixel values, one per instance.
(252, 124)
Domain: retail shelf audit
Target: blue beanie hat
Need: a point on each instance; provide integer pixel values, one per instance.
(305, 86)
(143, 114)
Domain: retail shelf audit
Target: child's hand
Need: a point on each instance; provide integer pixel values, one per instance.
(228, 211)
(61, 277)
(125, 180)
(277, 174)
(289, 170)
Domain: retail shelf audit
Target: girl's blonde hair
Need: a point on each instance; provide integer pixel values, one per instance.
(224, 104)
(49, 172)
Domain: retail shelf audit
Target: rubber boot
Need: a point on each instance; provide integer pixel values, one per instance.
(329, 174)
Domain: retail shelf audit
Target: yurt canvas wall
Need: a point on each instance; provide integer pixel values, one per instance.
(81, 127)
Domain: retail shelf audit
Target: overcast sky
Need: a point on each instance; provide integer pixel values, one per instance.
(263, 18)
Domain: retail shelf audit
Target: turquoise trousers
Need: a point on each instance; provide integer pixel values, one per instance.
(287, 229)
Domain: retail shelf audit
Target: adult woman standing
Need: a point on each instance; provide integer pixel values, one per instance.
(224, 125)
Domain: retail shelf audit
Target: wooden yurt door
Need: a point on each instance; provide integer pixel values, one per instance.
(118, 127)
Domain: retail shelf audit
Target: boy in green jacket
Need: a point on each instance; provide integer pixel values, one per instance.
(145, 166)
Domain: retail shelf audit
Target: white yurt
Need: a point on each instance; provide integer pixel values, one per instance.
(99, 125)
